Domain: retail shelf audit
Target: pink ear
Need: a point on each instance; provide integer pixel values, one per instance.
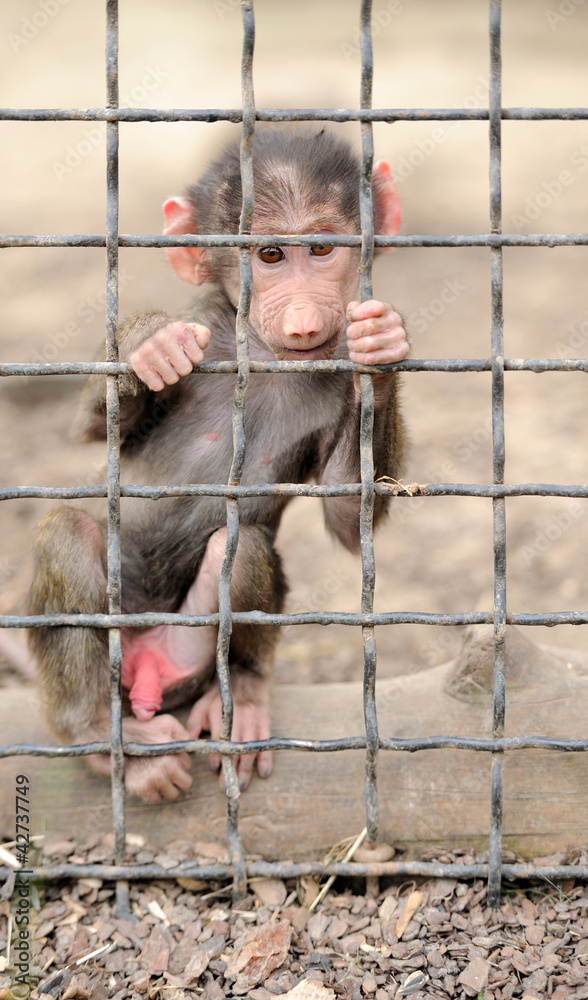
(189, 263)
(386, 200)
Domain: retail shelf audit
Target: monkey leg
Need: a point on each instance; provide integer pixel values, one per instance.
(257, 583)
(160, 662)
(73, 662)
(70, 577)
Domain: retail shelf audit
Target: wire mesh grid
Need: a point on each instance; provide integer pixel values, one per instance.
(372, 742)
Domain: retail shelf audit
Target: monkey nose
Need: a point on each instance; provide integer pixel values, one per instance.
(302, 321)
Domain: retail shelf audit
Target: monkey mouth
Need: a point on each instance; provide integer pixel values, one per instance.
(321, 352)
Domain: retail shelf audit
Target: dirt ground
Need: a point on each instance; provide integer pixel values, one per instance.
(433, 554)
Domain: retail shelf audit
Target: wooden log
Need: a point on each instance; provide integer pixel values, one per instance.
(313, 800)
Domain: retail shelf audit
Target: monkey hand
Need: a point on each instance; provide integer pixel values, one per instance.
(170, 353)
(153, 779)
(251, 721)
(375, 335)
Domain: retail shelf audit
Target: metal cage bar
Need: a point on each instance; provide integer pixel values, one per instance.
(117, 759)
(238, 418)
(366, 447)
(498, 457)
(371, 742)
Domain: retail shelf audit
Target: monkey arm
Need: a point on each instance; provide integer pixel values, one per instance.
(135, 397)
(340, 457)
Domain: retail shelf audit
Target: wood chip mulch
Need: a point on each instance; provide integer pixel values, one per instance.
(434, 939)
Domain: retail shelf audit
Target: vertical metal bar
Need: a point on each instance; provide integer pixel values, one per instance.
(113, 448)
(498, 455)
(366, 517)
(238, 421)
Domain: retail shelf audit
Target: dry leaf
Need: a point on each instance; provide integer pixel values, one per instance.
(203, 955)
(192, 884)
(8, 858)
(78, 988)
(266, 950)
(412, 904)
(388, 907)
(155, 954)
(310, 889)
(156, 911)
(75, 907)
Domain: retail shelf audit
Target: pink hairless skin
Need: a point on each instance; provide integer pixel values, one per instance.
(142, 676)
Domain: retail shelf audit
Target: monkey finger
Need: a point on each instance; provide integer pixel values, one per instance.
(251, 723)
(215, 718)
(199, 717)
(386, 356)
(265, 759)
(357, 311)
(201, 334)
(146, 372)
(184, 760)
(392, 340)
(169, 729)
(206, 714)
(265, 763)
(389, 323)
(179, 346)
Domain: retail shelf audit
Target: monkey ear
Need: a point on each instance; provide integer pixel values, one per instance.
(386, 200)
(189, 263)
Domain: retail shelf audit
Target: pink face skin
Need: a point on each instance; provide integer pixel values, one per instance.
(300, 297)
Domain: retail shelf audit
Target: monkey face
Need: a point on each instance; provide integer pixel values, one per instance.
(300, 295)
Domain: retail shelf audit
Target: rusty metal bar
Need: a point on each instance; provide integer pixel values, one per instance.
(536, 365)
(238, 421)
(366, 437)
(498, 458)
(301, 489)
(117, 761)
(153, 618)
(264, 869)
(389, 115)
(392, 743)
(210, 240)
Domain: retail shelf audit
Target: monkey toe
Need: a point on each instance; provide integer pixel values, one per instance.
(265, 763)
(159, 780)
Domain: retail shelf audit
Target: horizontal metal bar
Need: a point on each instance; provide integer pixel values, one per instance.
(490, 491)
(536, 365)
(150, 619)
(285, 870)
(404, 745)
(221, 240)
(286, 115)
(405, 491)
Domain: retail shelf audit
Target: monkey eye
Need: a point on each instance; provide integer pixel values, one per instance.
(271, 255)
(320, 251)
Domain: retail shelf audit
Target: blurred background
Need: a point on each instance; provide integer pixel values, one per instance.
(432, 554)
